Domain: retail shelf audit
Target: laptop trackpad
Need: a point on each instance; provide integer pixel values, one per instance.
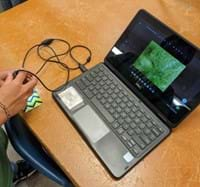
(91, 124)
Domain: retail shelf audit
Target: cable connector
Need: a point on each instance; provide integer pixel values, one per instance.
(88, 59)
(47, 42)
(82, 68)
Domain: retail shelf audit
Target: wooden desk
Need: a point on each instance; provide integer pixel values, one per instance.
(98, 24)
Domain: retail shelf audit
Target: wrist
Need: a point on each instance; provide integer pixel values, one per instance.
(5, 111)
(3, 117)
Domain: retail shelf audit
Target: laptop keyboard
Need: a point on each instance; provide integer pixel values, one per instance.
(128, 119)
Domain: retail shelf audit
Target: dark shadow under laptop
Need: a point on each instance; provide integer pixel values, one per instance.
(149, 82)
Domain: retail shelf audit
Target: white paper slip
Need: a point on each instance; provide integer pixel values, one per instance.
(70, 97)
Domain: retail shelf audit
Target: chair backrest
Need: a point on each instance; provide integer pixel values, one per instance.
(6, 4)
(16, 2)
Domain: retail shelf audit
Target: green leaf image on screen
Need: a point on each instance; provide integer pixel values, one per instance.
(160, 67)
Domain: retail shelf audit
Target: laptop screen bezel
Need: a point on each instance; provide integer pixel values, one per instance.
(144, 15)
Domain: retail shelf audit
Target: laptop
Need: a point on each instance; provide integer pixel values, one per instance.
(127, 105)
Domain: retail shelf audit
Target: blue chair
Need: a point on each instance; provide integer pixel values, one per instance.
(29, 148)
(6, 4)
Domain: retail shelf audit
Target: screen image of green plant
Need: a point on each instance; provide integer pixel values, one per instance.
(160, 67)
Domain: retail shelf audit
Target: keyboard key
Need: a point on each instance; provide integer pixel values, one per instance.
(85, 81)
(114, 104)
(102, 83)
(88, 93)
(136, 150)
(149, 124)
(144, 119)
(129, 144)
(120, 130)
(101, 68)
(104, 78)
(105, 87)
(113, 95)
(127, 110)
(147, 131)
(107, 105)
(111, 110)
(139, 142)
(105, 95)
(112, 86)
(118, 100)
(155, 131)
(134, 109)
(120, 95)
(142, 125)
(110, 91)
(152, 136)
(123, 114)
(125, 126)
(100, 74)
(139, 114)
(122, 105)
(116, 115)
(115, 125)
(95, 92)
(116, 90)
(101, 91)
(80, 84)
(133, 125)
(94, 83)
(128, 120)
(137, 130)
(108, 82)
(125, 99)
(129, 104)
(99, 96)
(130, 132)
(132, 141)
(103, 101)
(124, 138)
(132, 114)
(89, 77)
(93, 74)
(98, 79)
(137, 120)
(110, 77)
(118, 109)
(145, 139)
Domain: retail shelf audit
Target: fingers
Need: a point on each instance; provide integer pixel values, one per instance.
(30, 84)
(21, 76)
(1, 83)
(9, 78)
(4, 74)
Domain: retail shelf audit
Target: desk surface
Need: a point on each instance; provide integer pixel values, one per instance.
(98, 24)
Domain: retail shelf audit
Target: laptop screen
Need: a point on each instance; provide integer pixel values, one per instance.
(163, 67)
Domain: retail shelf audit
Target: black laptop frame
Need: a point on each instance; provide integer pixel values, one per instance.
(149, 18)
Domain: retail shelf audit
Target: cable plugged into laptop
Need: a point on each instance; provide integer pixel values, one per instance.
(83, 68)
(55, 57)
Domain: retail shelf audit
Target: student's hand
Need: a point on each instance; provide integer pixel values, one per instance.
(3, 75)
(14, 94)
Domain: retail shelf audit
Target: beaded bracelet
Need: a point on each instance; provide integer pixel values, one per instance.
(5, 110)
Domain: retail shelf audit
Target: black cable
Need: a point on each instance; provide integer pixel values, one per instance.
(27, 53)
(46, 43)
(51, 90)
(55, 58)
(88, 59)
